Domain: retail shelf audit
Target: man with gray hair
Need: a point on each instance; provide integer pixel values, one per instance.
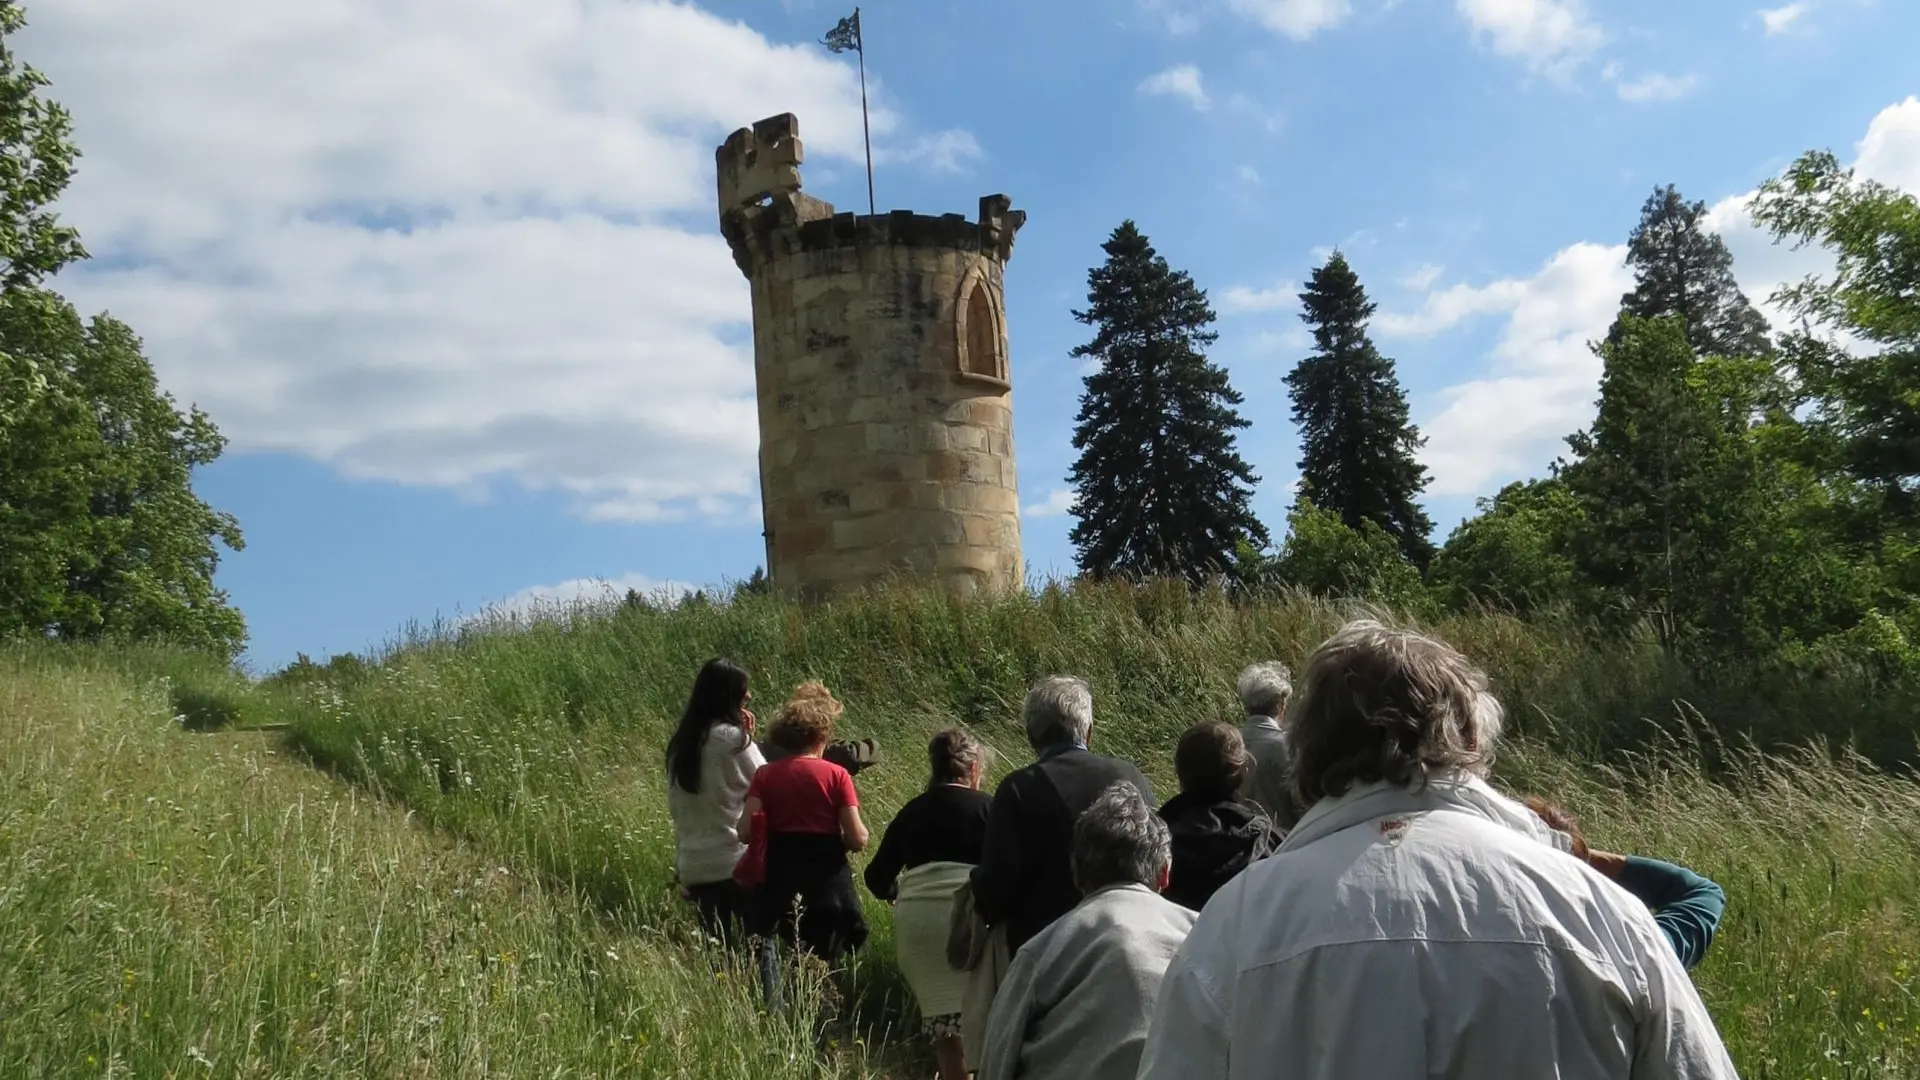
(1264, 689)
(1416, 922)
(1025, 877)
(1075, 1002)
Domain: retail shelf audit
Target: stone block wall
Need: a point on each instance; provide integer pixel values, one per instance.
(880, 357)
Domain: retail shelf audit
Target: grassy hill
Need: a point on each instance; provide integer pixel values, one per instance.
(483, 887)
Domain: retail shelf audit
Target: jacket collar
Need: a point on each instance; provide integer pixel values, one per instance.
(1269, 723)
(1460, 792)
(1067, 747)
(1120, 886)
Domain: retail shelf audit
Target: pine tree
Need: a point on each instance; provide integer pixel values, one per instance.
(1357, 445)
(1681, 269)
(1162, 489)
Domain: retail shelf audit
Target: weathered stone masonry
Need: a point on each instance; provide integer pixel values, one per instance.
(880, 357)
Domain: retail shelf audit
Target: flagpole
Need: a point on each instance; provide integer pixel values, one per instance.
(866, 133)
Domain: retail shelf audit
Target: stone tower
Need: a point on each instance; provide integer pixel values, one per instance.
(880, 360)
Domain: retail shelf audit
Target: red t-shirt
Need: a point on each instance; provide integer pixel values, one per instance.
(803, 794)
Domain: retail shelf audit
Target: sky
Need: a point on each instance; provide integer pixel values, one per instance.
(447, 273)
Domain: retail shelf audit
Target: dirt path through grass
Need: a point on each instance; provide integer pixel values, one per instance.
(183, 905)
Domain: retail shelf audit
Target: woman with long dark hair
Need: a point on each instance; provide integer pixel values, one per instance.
(710, 761)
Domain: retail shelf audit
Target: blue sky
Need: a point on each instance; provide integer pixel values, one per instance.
(448, 275)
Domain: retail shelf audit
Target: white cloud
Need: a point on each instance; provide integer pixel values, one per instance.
(1173, 15)
(1239, 299)
(1655, 87)
(1889, 153)
(1248, 175)
(1291, 340)
(568, 597)
(1272, 121)
(1181, 81)
(1421, 278)
(1296, 19)
(1549, 36)
(1781, 19)
(443, 245)
(943, 152)
(1059, 501)
(1542, 379)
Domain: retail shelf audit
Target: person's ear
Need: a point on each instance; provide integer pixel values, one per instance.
(1165, 878)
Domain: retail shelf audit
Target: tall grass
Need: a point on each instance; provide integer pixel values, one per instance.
(491, 892)
(540, 741)
(185, 905)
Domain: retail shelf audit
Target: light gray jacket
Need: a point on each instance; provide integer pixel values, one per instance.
(1402, 934)
(1075, 1002)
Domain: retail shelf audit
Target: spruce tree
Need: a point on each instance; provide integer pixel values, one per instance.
(1162, 489)
(1681, 269)
(1357, 445)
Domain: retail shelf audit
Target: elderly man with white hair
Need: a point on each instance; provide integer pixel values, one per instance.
(1264, 690)
(1025, 877)
(1416, 923)
(1075, 1002)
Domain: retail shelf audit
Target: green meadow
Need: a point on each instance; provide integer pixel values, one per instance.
(454, 859)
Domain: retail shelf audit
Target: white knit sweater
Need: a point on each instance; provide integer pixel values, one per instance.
(705, 824)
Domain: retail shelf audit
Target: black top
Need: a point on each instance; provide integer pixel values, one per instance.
(1025, 876)
(1213, 840)
(945, 824)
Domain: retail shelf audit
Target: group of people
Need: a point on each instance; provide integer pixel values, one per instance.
(1336, 891)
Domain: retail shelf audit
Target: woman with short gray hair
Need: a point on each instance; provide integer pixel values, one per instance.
(1264, 689)
(1076, 1000)
(1411, 888)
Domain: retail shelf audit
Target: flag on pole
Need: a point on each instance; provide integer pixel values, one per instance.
(845, 35)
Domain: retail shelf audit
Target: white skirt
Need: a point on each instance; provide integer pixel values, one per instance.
(922, 918)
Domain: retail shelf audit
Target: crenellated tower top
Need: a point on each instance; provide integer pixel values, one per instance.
(764, 215)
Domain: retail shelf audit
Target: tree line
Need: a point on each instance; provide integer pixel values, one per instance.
(1740, 495)
(101, 534)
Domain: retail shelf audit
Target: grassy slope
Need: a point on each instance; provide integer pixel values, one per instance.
(280, 924)
(542, 743)
(176, 904)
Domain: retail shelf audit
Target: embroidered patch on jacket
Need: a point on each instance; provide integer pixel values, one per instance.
(1393, 830)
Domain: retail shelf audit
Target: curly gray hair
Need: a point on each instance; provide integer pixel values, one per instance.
(1380, 704)
(1058, 708)
(1264, 688)
(1119, 840)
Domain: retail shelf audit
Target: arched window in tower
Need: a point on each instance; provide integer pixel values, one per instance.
(981, 339)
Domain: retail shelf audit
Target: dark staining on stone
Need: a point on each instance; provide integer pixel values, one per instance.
(820, 339)
(900, 228)
(834, 499)
(787, 400)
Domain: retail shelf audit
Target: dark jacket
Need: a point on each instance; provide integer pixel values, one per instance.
(1213, 839)
(944, 824)
(1025, 876)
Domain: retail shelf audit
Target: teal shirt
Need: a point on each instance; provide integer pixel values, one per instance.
(1685, 905)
